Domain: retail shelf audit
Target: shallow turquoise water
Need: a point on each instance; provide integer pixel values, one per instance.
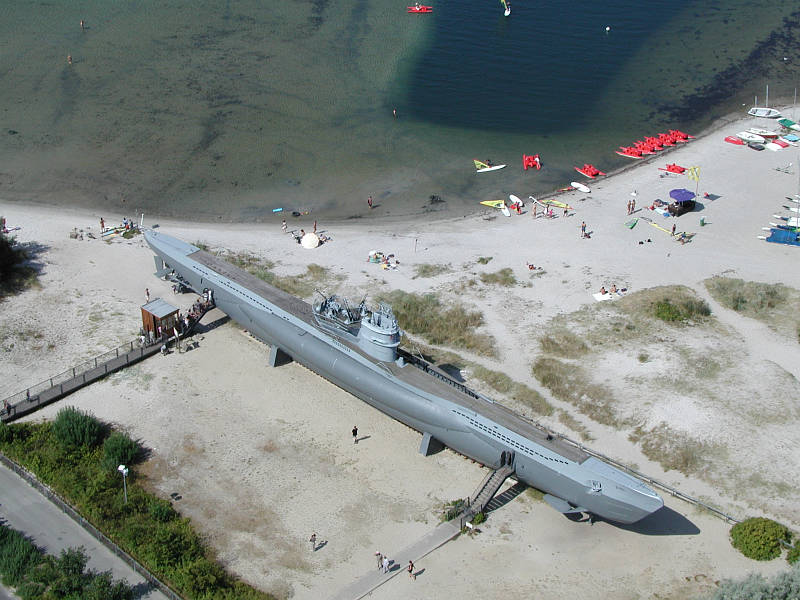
(228, 110)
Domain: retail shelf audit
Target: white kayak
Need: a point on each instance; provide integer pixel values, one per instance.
(580, 187)
(765, 133)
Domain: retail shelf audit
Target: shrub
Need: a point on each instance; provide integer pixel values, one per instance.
(484, 260)
(759, 538)
(682, 310)
(479, 518)
(119, 449)
(794, 554)
(782, 586)
(161, 510)
(17, 556)
(6, 433)
(74, 428)
(504, 277)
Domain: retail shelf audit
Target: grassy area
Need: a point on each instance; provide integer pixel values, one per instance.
(303, 285)
(674, 450)
(564, 343)
(676, 304)
(775, 304)
(503, 277)
(520, 392)
(426, 270)
(484, 260)
(452, 325)
(570, 421)
(570, 383)
(73, 458)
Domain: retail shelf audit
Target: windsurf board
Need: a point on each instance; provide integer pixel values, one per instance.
(580, 187)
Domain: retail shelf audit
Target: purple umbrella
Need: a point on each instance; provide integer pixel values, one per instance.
(681, 195)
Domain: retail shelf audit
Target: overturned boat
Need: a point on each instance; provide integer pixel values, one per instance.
(358, 349)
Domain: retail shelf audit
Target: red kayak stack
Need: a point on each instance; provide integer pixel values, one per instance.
(653, 144)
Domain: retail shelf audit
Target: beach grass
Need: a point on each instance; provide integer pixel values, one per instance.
(504, 277)
(16, 273)
(520, 392)
(484, 260)
(302, 285)
(776, 304)
(452, 325)
(426, 270)
(674, 450)
(570, 421)
(676, 304)
(563, 343)
(570, 382)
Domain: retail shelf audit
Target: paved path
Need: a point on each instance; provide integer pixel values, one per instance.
(26, 510)
(425, 545)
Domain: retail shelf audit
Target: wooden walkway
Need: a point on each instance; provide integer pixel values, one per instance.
(31, 403)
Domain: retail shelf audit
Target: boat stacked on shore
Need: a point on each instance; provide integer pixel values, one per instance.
(653, 144)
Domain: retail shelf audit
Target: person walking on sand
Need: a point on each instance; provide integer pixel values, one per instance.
(313, 540)
(583, 229)
(633, 206)
(385, 564)
(369, 202)
(533, 210)
(379, 556)
(355, 434)
(673, 228)
(410, 569)
(102, 224)
(315, 226)
(147, 294)
(283, 225)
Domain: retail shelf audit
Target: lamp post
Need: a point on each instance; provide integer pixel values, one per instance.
(124, 470)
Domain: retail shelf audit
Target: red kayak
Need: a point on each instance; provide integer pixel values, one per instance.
(589, 171)
(732, 139)
(420, 9)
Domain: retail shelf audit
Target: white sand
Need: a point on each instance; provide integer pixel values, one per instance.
(262, 457)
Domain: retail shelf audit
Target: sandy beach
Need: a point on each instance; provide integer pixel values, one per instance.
(262, 457)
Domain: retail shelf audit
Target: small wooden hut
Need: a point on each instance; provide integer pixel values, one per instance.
(159, 317)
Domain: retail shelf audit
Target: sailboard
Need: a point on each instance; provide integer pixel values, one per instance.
(506, 8)
(580, 187)
(557, 204)
(632, 223)
(482, 167)
(494, 203)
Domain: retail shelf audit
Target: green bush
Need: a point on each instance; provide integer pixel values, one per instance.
(794, 554)
(6, 433)
(680, 311)
(479, 518)
(119, 449)
(17, 556)
(759, 538)
(161, 510)
(74, 428)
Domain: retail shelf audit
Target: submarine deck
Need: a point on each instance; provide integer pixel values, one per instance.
(437, 383)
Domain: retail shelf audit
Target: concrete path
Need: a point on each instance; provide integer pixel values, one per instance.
(26, 510)
(425, 545)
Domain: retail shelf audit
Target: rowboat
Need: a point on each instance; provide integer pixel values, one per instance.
(765, 133)
(759, 111)
(789, 124)
(749, 136)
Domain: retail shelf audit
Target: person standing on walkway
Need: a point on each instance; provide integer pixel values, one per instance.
(385, 564)
(313, 540)
(379, 556)
(410, 569)
(355, 434)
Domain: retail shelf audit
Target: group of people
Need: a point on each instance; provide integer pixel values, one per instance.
(631, 206)
(612, 290)
(384, 564)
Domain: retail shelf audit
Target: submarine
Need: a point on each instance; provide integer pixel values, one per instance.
(358, 349)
